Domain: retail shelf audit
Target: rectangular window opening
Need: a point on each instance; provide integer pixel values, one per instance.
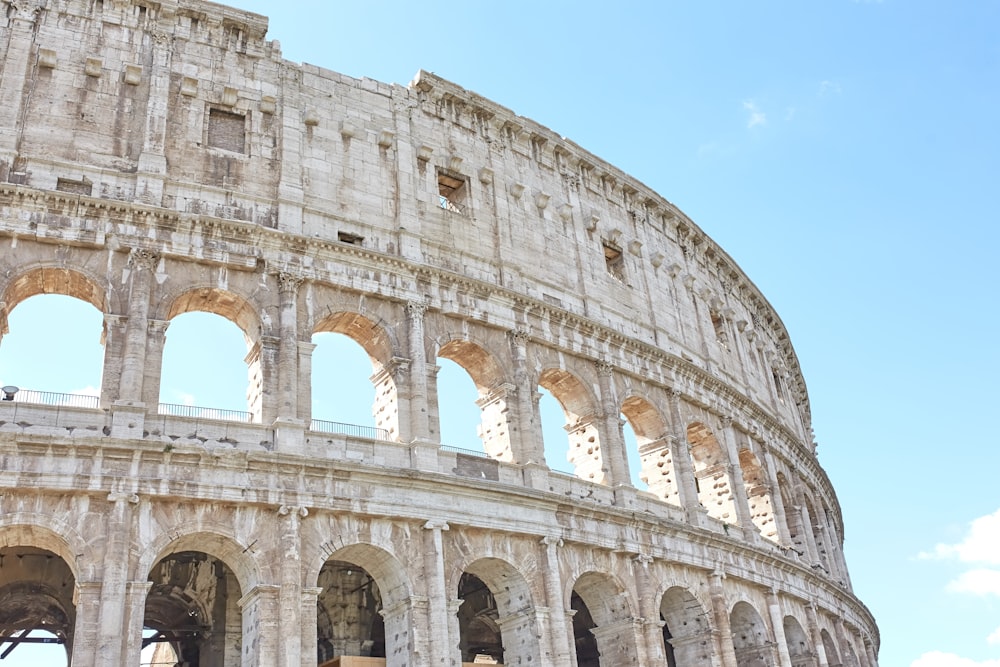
(226, 130)
(347, 237)
(614, 261)
(452, 192)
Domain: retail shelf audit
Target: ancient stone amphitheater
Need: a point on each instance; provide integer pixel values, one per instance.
(161, 157)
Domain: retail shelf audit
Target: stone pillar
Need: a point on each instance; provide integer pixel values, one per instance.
(113, 603)
(529, 442)
(310, 626)
(288, 346)
(443, 647)
(720, 611)
(86, 634)
(777, 502)
(143, 262)
(816, 636)
(686, 490)
(304, 391)
(561, 622)
(419, 416)
(740, 499)
(16, 73)
(652, 626)
(618, 643)
(111, 376)
(261, 361)
(152, 167)
(156, 333)
(290, 596)
(259, 612)
(778, 625)
(870, 652)
(807, 530)
(135, 616)
(612, 441)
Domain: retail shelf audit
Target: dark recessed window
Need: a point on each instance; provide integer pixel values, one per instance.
(453, 192)
(615, 261)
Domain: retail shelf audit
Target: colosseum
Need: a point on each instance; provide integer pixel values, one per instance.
(161, 157)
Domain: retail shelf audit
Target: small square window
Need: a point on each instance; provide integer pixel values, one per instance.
(452, 192)
(226, 130)
(347, 237)
(615, 261)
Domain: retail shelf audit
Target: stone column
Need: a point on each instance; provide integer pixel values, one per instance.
(135, 616)
(288, 347)
(290, 596)
(443, 647)
(777, 502)
(304, 391)
(816, 636)
(720, 611)
(807, 530)
(529, 442)
(113, 603)
(111, 376)
(740, 499)
(142, 262)
(652, 626)
(309, 626)
(612, 442)
(419, 417)
(156, 333)
(259, 612)
(870, 652)
(561, 621)
(16, 73)
(152, 167)
(86, 633)
(686, 491)
(615, 640)
(778, 625)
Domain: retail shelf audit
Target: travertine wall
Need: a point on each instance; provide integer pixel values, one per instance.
(159, 158)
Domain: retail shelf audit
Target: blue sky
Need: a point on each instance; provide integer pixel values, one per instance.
(847, 156)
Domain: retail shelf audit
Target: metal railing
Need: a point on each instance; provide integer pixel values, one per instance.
(468, 452)
(175, 410)
(353, 430)
(55, 398)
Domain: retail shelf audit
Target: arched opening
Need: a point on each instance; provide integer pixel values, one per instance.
(711, 473)
(53, 349)
(687, 637)
(554, 442)
(352, 376)
(818, 534)
(468, 370)
(792, 515)
(192, 605)
(363, 608)
(480, 638)
(799, 648)
(212, 364)
(830, 648)
(158, 649)
(36, 604)
(758, 495)
(750, 637)
(850, 657)
(348, 613)
(603, 633)
(577, 405)
(496, 617)
(655, 464)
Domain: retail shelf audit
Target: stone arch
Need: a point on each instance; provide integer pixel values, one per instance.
(830, 648)
(799, 647)
(512, 614)
(379, 624)
(651, 435)
(47, 279)
(580, 409)
(378, 343)
(758, 494)
(495, 393)
(212, 542)
(711, 473)
(603, 625)
(751, 640)
(46, 532)
(850, 655)
(687, 633)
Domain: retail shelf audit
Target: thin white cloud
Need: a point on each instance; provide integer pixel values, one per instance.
(978, 582)
(941, 659)
(757, 117)
(827, 87)
(87, 391)
(994, 637)
(981, 545)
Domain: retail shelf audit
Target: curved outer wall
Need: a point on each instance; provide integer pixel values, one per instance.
(159, 158)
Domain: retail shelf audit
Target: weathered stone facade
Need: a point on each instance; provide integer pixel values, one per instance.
(160, 157)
